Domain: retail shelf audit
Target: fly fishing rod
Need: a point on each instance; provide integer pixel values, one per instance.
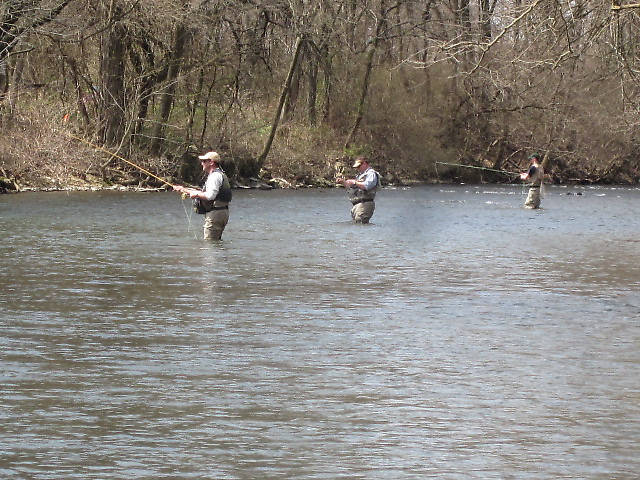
(97, 147)
(479, 168)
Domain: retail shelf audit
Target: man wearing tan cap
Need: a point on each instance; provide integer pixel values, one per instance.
(213, 200)
(362, 190)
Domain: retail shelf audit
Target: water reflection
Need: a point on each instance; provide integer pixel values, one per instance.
(458, 336)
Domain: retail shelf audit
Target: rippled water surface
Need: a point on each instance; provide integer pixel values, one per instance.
(458, 336)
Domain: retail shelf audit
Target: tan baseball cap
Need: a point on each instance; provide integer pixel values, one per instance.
(210, 156)
(359, 161)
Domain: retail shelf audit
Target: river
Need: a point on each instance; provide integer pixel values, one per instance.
(458, 336)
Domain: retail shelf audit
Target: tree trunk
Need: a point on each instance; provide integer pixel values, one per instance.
(327, 80)
(371, 50)
(283, 96)
(4, 79)
(82, 108)
(166, 102)
(16, 81)
(293, 92)
(143, 61)
(312, 94)
(193, 105)
(112, 69)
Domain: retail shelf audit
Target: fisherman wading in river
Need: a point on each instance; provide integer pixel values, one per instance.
(213, 200)
(362, 190)
(534, 175)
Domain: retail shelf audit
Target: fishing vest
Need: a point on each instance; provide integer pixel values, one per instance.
(224, 194)
(358, 195)
(536, 177)
(221, 200)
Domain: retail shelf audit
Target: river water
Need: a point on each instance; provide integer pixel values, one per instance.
(458, 336)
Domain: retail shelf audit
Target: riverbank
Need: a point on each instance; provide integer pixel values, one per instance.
(36, 154)
(119, 180)
(9, 186)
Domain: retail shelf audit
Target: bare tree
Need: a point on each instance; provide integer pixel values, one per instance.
(166, 101)
(283, 96)
(17, 19)
(112, 74)
(372, 45)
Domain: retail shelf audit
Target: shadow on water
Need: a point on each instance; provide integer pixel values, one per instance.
(457, 336)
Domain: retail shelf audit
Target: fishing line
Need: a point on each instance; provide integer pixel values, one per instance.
(523, 188)
(188, 213)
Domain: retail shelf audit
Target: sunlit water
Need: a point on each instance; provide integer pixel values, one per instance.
(459, 336)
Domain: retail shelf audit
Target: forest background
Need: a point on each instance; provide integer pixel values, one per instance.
(289, 91)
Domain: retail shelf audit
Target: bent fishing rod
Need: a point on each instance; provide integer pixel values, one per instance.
(97, 147)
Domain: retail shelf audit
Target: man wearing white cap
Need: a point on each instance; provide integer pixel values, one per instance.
(362, 190)
(213, 200)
